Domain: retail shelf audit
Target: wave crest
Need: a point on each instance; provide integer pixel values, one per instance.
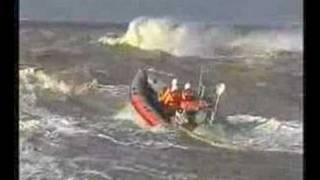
(205, 41)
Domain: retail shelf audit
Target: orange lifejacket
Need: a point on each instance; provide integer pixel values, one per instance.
(189, 103)
(170, 99)
(163, 94)
(175, 99)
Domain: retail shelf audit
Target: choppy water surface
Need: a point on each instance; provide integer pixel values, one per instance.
(75, 121)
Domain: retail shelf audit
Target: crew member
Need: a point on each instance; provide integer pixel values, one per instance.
(171, 97)
(188, 101)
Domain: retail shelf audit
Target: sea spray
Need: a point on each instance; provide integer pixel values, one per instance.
(205, 41)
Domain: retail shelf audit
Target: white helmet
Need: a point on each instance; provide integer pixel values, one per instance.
(174, 82)
(187, 86)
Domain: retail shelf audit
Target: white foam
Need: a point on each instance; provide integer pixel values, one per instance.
(28, 126)
(270, 41)
(125, 113)
(268, 134)
(186, 39)
(34, 166)
(31, 78)
(36, 78)
(103, 175)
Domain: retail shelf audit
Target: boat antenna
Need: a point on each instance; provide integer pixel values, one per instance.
(200, 85)
(220, 88)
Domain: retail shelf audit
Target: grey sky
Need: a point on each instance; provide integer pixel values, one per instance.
(231, 11)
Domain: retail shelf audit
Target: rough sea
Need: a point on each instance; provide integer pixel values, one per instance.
(76, 121)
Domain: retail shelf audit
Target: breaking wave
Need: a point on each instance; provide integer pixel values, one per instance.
(36, 85)
(36, 79)
(205, 41)
(38, 122)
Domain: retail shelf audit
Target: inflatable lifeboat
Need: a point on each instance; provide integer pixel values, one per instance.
(144, 100)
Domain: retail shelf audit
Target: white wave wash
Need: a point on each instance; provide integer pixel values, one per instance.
(37, 78)
(257, 133)
(266, 135)
(271, 134)
(186, 39)
(244, 131)
(32, 117)
(36, 121)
